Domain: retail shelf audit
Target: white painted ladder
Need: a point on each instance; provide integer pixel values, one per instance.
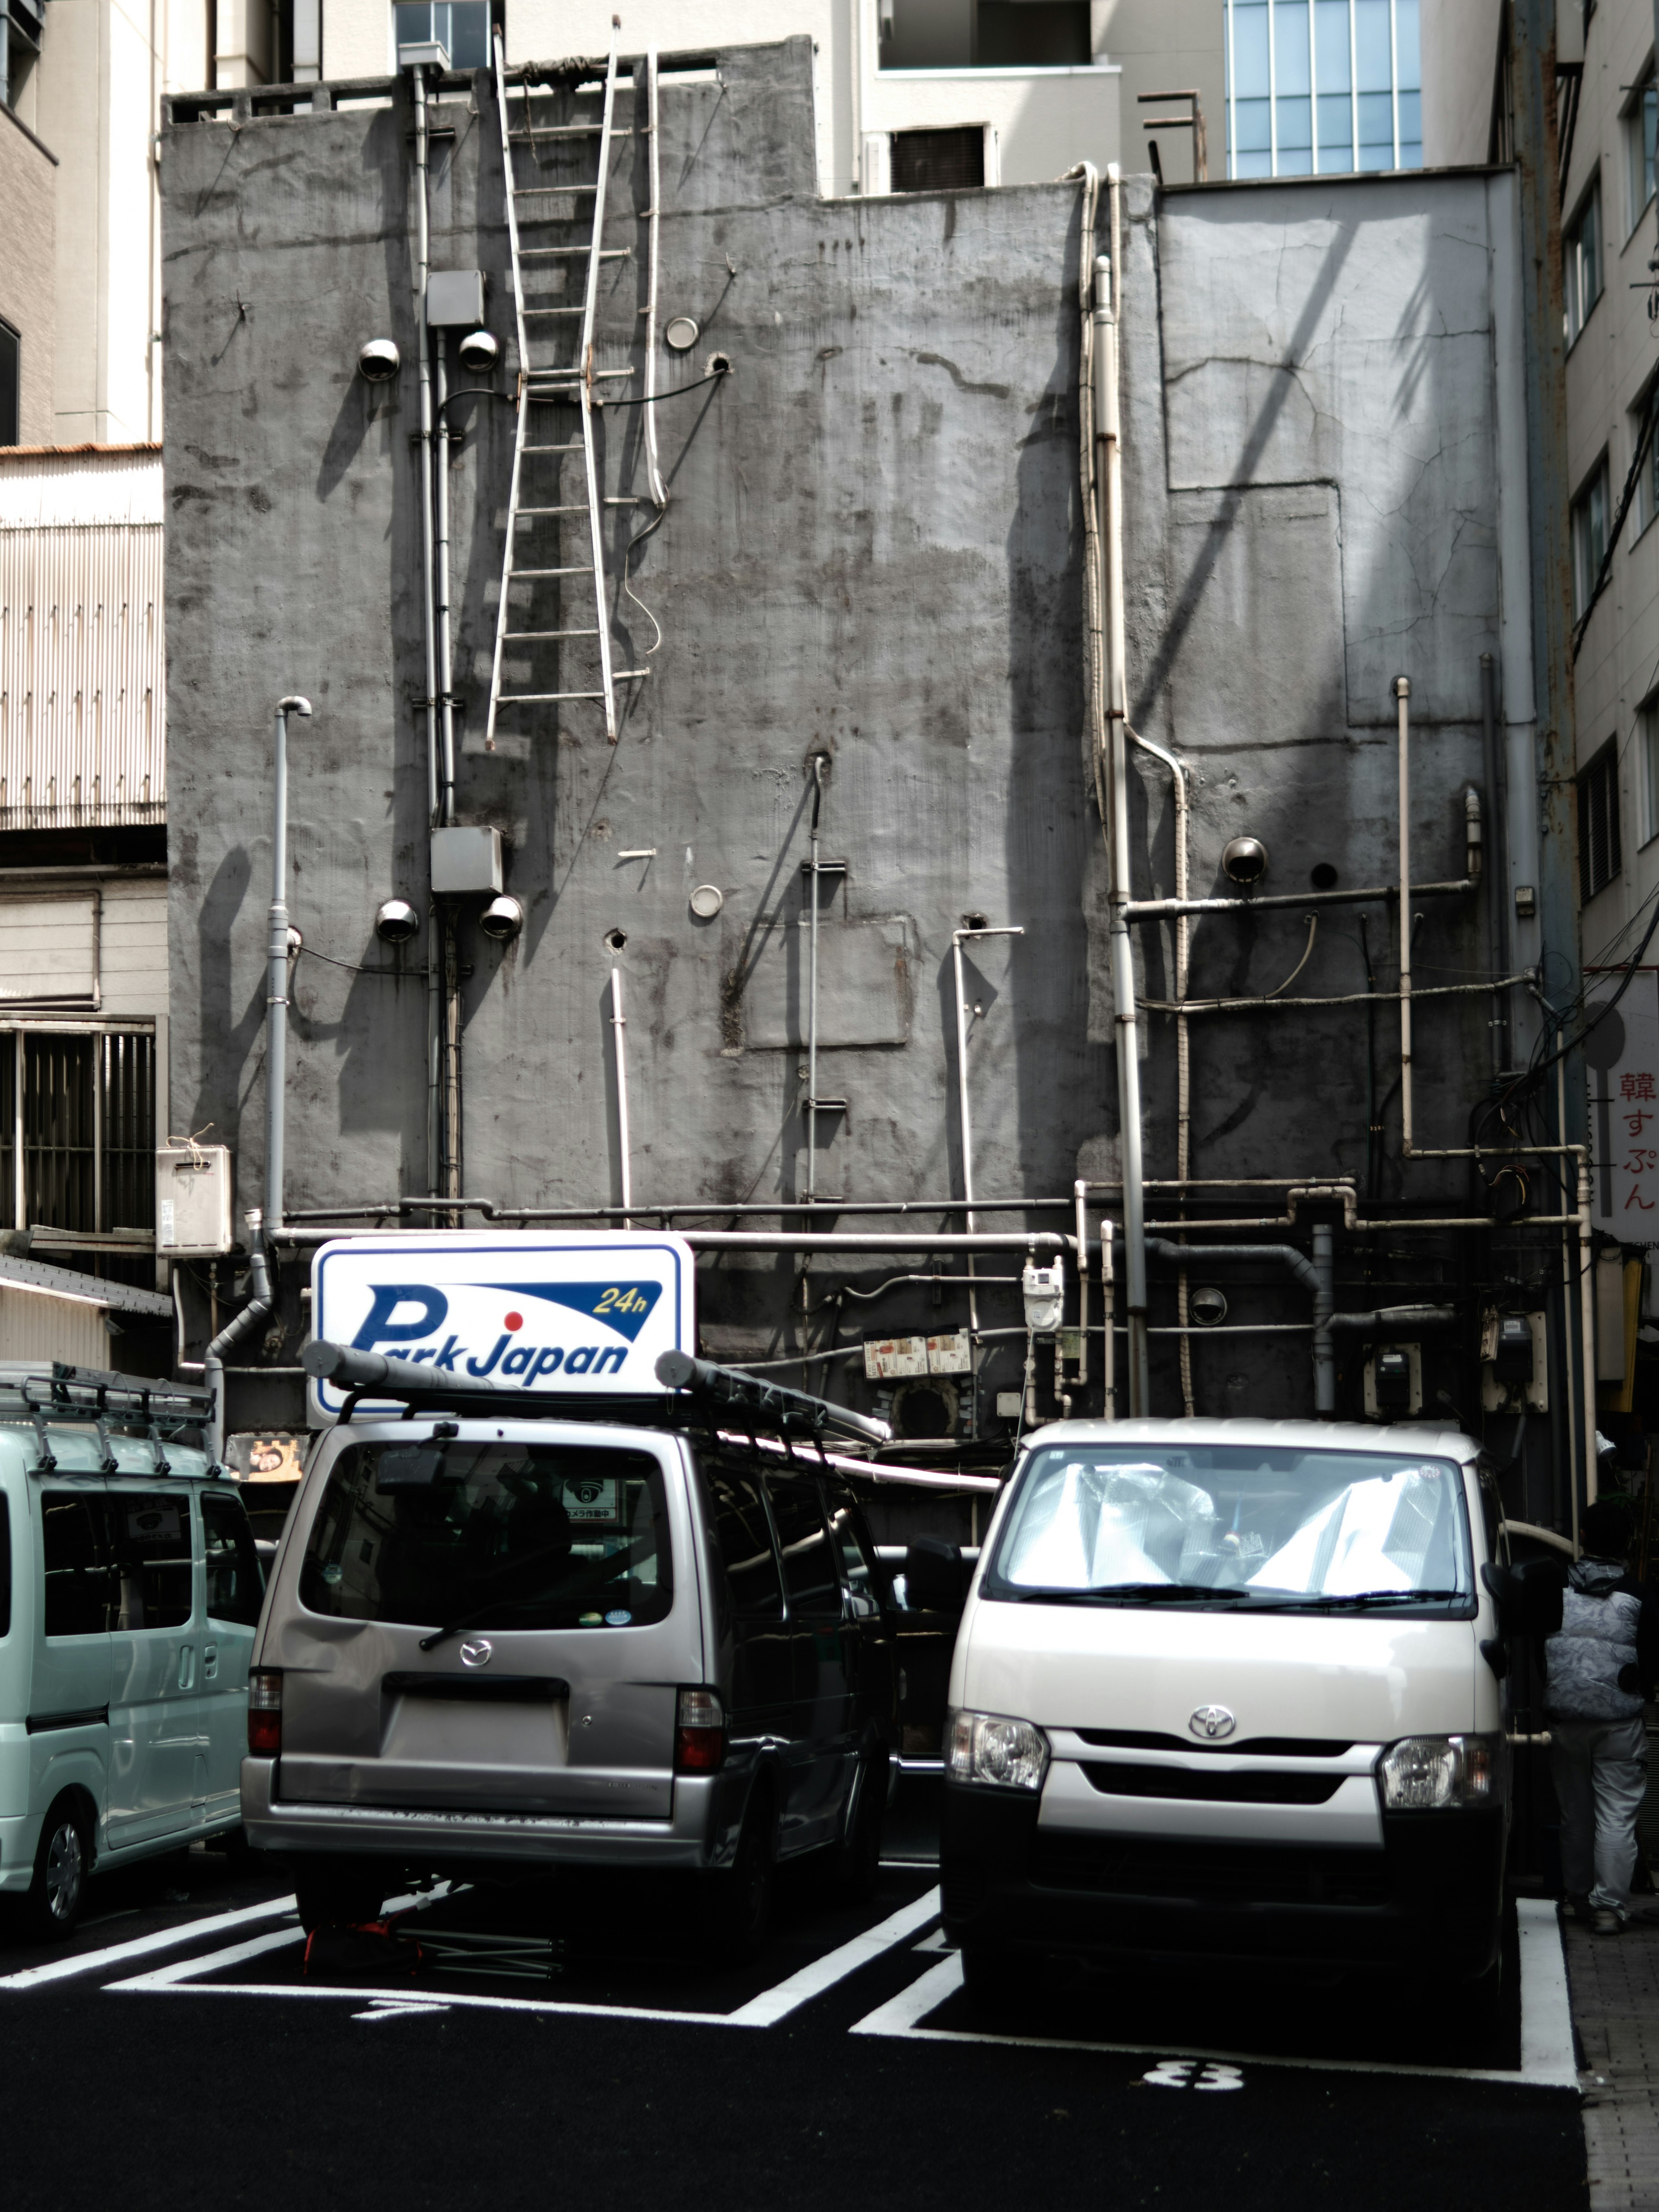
(550, 377)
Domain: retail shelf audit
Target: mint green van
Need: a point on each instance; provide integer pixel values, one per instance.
(129, 1588)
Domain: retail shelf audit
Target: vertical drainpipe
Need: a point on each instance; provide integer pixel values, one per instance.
(1532, 78)
(1109, 490)
(1497, 872)
(1324, 1305)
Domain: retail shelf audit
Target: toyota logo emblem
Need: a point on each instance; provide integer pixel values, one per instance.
(1211, 1722)
(477, 1650)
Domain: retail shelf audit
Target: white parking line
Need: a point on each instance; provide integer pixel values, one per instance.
(182, 1977)
(1548, 2060)
(164, 1939)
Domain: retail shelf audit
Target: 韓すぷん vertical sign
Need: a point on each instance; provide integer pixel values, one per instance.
(511, 1313)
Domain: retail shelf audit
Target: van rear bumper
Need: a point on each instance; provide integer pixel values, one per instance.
(421, 1836)
(1008, 1884)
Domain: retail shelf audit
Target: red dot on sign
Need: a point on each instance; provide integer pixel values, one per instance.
(514, 1320)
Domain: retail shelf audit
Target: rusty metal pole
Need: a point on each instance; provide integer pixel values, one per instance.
(1533, 93)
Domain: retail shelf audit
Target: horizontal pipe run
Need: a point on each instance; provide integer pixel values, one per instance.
(1398, 1317)
(492, 1210)
(1171, 909)
(1353, 998)
(756, 1239)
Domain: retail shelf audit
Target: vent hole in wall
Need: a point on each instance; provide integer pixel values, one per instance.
(1322, 876)
(616, 938)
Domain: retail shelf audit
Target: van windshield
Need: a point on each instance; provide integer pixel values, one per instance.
(1245, 1525)
(500, 1536)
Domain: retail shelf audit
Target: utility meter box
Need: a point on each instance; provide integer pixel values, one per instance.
(1394, 1383)
(1514, 1361)
(192, 1201)
(455, 299)
(466, 863)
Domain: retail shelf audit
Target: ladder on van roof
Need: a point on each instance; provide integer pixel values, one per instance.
(555, 376)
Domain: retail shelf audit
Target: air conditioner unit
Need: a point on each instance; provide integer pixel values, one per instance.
(192, 1201)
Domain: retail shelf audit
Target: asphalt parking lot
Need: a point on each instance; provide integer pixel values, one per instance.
(528, 2049)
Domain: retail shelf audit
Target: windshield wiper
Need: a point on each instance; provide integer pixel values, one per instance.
(602, 1572)
(1362, 1598)
(1127, 1594)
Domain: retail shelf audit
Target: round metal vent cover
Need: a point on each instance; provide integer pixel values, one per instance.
(681, 334)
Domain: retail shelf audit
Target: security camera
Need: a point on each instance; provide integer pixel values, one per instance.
(397, 921)
(379, 362)
(479, 352)
(503, 919)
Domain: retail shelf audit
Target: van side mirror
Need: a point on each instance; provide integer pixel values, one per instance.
(1527, 1596)
(934, 1577)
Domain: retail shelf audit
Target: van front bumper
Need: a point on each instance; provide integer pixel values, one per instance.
(422, 1836)
(1432, 1894)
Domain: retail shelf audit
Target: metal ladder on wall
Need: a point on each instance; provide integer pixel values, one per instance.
(548, 378)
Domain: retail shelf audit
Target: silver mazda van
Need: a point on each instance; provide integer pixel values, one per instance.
(494, 1645)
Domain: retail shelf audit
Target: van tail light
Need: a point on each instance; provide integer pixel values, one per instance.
(265, 1713)
(699, 1732)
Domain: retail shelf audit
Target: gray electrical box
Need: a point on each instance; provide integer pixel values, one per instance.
(192, 1201)
(455, 299)
(466, 863)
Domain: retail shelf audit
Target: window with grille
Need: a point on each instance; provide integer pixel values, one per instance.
(939, 160)
(1647, 752)
(1600, 857)
(1641, 142)
(77, 1130)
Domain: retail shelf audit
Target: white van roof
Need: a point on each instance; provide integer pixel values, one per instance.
(1419, 1437)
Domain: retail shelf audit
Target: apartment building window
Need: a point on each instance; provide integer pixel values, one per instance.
(1580, 249)
(1599, 859)
(77, 1128)
(460, 26)
(1641, 139)
(1647, 754)
(11, 382)
(1644, 505)
(985, 34)
(20, 45)
(1589, 536)
(1323, 87)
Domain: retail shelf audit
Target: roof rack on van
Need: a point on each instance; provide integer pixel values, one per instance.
(756, 1403)
(44, 1390)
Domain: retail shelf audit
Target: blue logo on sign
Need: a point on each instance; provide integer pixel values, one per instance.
(625, 1307)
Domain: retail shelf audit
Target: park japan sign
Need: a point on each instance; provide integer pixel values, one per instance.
(580, 1312)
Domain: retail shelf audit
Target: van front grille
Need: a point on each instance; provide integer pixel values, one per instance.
(1210, 1874)
(1230, 1788)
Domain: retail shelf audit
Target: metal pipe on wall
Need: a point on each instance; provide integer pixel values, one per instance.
(625, 1149)
(1108, 493)
(813, 989)
(423, 360)
(440, 576)
(277, 970)
(1183, 1058)
(1403, 692)
(964, 1116)
(1497, 871)
(258, 1308)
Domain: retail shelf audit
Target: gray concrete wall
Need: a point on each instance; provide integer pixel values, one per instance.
(874, 550)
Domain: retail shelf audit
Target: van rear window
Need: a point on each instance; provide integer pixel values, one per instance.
(491, 1535)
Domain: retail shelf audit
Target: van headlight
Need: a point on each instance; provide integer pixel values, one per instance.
(1001, 1754)
(1442, 1774)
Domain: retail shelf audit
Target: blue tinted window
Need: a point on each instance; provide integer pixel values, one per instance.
(1375, 130)
(1407, 48)
(1249, 50)
(1295, 133)
(1289, 51)
(1335, 131)
(1370, 26)
(1253, 164)
(1331, 38)
(1254, 126)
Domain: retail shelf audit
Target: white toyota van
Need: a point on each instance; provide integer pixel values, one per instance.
(1232, 1688)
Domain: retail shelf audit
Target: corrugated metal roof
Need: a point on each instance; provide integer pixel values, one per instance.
(41, 485)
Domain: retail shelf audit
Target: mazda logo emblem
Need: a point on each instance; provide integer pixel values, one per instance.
(477, 1650)
(1211, 1722)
